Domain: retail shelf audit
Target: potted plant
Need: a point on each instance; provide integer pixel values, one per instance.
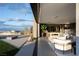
(43, 29)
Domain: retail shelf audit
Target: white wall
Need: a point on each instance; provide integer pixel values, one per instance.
(77, 29)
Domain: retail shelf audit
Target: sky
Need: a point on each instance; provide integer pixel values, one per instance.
(15, 16)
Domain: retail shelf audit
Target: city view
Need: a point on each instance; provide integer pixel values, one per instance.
(16, 27)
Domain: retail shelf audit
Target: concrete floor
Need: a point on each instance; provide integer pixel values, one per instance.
(44, 48)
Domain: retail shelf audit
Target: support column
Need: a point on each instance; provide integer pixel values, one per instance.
(38, 30)
(35, 29)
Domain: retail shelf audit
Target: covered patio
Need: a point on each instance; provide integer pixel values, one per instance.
(58, 18)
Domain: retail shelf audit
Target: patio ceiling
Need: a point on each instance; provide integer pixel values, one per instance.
(57, 13)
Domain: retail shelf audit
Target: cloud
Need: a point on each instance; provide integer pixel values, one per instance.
(2, 22)
(19, 20)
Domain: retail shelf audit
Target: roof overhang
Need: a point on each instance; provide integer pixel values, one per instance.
(57, 13)
(35, 8)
